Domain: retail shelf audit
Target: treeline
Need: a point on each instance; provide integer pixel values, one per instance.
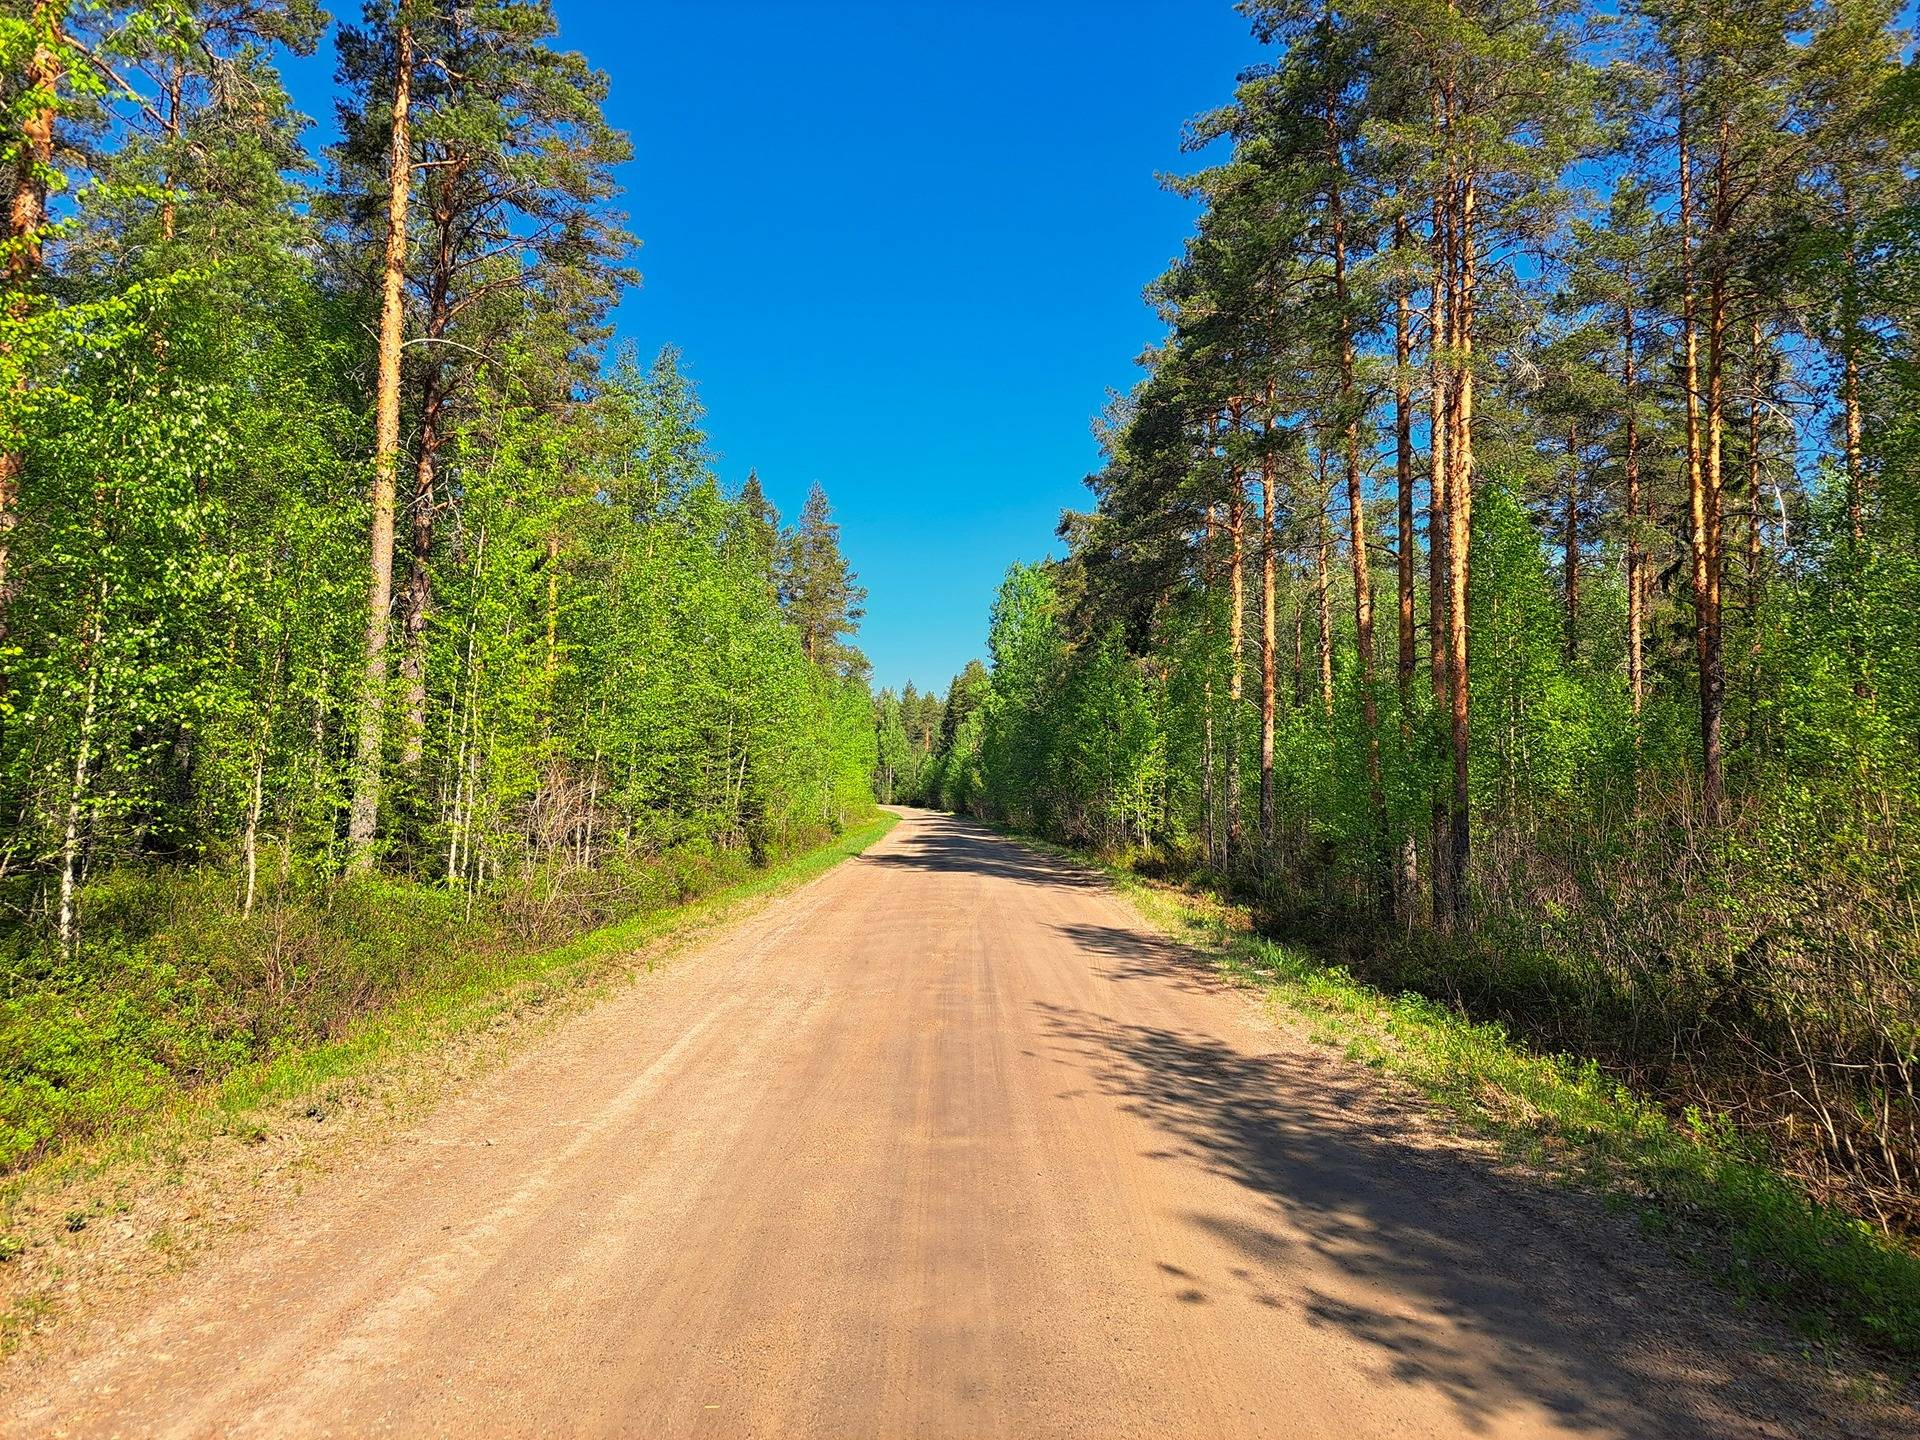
(1505, 570)
(907, 730)
(332, 541)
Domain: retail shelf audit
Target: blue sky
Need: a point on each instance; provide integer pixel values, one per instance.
(901, 246)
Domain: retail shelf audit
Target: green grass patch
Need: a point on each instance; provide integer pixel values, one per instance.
(1689, 1175)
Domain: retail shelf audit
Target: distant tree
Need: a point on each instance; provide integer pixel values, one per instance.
(759, 530)
(819, 589)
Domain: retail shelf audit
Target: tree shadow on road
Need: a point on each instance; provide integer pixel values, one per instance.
(1132, 955)
(945, 844)
(1466, 1277)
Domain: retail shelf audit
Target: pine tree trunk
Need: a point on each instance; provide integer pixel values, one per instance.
(1439, 411)
(1459, 535)
(26, 218)
(1209, 838)
(386, 454)
(416, 603)
(1404, 556)
(1636, 557)
(1356, 507)
(1267, 669)
(1699, 548)
(1209, 831)
(1407, 867)
(1323, 595)
(1236, 647)
(1713, 658)
(416, 596)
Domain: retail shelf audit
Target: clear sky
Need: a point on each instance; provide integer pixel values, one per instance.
(901, 245)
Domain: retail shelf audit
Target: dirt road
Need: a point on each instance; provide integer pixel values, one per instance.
(948, 1143)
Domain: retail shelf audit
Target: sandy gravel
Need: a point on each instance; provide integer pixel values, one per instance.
(947, 1143)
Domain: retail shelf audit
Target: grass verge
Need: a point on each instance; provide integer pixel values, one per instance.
(135, 1196)
(1694, 1180)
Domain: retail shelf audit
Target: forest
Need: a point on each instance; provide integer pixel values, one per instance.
(363, 607)
(1500, 574)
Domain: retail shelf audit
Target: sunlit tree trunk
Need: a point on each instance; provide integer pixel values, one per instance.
(1407, 865)
(1267, 668)
(1636, 555)
(1439, 411)
(1459, 535)
(1702, 527)
(1356, 497)
(1236, 651)
(1209, 830)
(26, 219)
(1690, 383)
(386, 454)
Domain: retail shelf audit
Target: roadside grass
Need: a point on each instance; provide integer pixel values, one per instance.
(491, 993)
(1714, 1198)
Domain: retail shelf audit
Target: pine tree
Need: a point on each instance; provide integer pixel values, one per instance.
(371, 734)
(823, 600)
(514, 159)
